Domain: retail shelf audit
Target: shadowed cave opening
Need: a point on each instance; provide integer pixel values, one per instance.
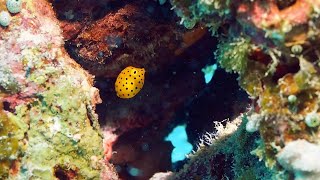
(173, 95)
(215, 101)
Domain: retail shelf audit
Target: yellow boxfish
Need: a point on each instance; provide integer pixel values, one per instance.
(129, 82)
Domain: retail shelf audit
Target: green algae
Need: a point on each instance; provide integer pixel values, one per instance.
(10, 149)
(57, 122)
(60, 132)
(233, 55)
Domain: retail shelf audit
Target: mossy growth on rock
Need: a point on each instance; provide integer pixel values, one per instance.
(233, 55)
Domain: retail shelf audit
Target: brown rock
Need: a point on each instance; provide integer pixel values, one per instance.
(138, 34)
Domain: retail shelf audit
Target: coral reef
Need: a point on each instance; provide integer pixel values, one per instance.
(114, 40)
(149, 112)
(273, 46)
(107, 36)
(137, 149)
(225, 154)
(302, 158)
(48, 127)
(45, 83)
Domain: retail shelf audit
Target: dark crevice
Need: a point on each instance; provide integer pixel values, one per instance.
(6, 107)
(63, 173)
(80, 8)
(282, 4)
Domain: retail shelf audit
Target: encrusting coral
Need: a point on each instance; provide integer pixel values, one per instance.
(273, 46)
(48, 127)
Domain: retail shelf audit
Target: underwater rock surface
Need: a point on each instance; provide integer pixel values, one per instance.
(48, 126)
(272, 45)
(139, 33)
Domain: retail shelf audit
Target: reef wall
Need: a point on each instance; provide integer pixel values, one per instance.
(49, 128)
(273, 47)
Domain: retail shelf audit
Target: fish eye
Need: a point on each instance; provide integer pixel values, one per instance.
(134, 72)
